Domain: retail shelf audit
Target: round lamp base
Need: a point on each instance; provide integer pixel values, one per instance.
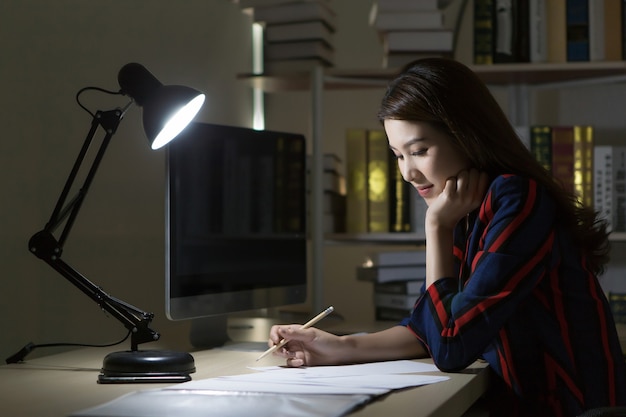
(143, 366)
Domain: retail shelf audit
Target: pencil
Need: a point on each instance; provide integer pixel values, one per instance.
(306, 325)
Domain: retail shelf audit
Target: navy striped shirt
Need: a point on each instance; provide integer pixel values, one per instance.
(525, 302)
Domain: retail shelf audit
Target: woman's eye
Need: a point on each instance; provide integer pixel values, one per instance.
(418, 152)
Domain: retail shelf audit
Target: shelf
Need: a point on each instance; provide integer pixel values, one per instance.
(497, 74)
(368, 238)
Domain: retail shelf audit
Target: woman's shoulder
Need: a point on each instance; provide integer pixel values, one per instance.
(519, 197)
(512, 182)
(507, 183)
(518, 188)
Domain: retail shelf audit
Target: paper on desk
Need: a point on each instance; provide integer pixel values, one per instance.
(262, 393)
(372, 378)
(167, 403)
(299, 384)
(387, 367)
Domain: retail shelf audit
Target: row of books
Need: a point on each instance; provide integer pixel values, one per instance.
(297, 34)
(378, 200)
(410, 30)
(397, 278)
(595, 173)
(567, 152)
(548, 31)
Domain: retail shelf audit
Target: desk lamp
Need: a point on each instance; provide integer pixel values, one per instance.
(166, 112)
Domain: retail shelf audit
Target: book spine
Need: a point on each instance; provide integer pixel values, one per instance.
(577, 26)
(504, 22)
(378, 181)
(390, 273)
(596, 30)
(603, 183)
(538, 30)
(623, 30)
(583, 164)
(613, 30)
(557, 31)
(413, 288)
(541, 145)
(563, 156)
(357, 213)
(619, 189)
(512, 24)
(484, 12)
(396, 258)
(521, 30)
(399, 199)
(400, 301)
(391, 314)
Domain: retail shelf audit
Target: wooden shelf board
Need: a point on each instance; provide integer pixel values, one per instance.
(497, 74)
(366, 238)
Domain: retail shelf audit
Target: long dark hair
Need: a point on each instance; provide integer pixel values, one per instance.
(451, 97)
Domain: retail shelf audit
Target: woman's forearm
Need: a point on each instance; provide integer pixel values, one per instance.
(391, 344)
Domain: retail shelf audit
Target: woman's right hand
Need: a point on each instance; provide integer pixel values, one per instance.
(460, 196)
(306, 347)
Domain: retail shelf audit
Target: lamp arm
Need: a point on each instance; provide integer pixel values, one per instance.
(45, 246)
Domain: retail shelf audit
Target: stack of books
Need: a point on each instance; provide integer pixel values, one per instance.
(334, 193)
(411, 30)
(298, 34)
(378, 200)
(398, 278)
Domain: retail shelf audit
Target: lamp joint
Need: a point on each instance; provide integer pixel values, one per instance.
(44, 245)
(109, 119)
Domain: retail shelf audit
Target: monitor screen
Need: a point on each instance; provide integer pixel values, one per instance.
(236, 225)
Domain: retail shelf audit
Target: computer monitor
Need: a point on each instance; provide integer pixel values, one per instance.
(236, 224)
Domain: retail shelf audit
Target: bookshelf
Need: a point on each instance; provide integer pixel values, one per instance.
(519, 78)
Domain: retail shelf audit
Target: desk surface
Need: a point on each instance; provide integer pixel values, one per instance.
(57, 385)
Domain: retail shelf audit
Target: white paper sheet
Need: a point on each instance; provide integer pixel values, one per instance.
(302, 391)
(168, 403)
(387, 367)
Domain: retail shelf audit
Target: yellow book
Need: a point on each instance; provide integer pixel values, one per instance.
(356, 181)
(378, 181)
(399, 200)
(583, 164)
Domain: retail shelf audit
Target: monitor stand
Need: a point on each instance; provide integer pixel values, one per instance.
(209, 332)
(251, 326)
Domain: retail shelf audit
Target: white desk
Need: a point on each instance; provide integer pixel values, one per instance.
(57, 385)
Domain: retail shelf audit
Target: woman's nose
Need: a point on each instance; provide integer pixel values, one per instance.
(408, 173)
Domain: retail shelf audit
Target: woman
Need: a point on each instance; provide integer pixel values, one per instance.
(511, 258)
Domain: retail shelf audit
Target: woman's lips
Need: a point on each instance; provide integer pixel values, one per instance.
(424, 191)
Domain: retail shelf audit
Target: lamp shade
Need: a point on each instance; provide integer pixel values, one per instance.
(167, 109)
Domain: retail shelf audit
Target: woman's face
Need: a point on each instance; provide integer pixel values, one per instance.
(426, 156)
